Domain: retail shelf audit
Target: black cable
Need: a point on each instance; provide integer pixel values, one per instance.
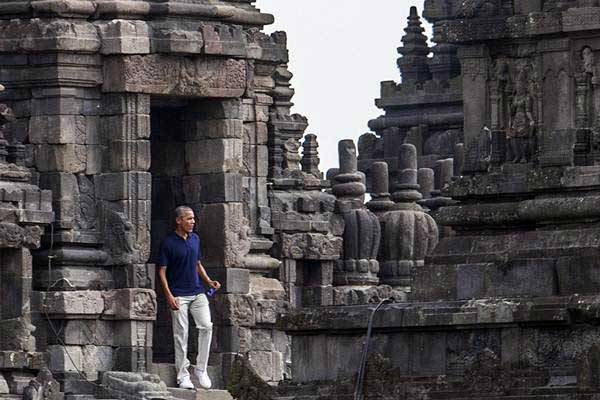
(358, 388)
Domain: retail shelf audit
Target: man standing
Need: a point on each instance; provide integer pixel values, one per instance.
(182, 278)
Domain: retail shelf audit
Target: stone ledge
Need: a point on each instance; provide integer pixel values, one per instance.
(456, 314)
(134, 9)
(119, 304)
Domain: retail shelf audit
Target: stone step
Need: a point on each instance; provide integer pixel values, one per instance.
(168, 375)
(200, 394)
(10, 397)
(80, 397)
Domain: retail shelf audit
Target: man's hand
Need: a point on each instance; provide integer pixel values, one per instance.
(214, 284)
(173, 303)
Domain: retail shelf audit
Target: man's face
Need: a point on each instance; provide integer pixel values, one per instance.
(186, 221)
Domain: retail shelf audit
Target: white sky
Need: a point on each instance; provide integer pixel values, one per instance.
(340, 50)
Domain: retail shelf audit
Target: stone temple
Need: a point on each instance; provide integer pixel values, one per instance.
(471, 271)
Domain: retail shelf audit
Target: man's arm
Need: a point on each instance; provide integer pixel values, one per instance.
(171, 300)
(205, 277)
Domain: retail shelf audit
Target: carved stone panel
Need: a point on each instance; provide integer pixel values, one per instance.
(176, 76)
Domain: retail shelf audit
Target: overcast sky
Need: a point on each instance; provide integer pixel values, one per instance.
(340, 50)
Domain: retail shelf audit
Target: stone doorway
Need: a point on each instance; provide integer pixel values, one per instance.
(183, 169)
(167, 169)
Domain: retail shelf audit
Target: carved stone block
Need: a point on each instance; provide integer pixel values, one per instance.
(75, 303)
(212, 188)
(174, 40)
(129, 155)
(48, 35)
(121, 185)
(58, 129)
(124, 37)
(234, 309)
(223, 40)
(64, 158)
(132, 334)
(130, 126)
(157, 74)
(311, 246)
(213, 129)
(131, 304)
(224, 233)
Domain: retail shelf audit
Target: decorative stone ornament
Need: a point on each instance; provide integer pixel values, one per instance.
(409, 233)
(362, 232)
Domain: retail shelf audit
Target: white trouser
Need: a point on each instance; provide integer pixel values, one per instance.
(198, 307)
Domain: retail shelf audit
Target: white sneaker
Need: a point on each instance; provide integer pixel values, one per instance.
(186, 383)
(203, 379)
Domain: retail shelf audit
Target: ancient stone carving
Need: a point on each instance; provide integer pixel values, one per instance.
(310, 246)
(43, 387)
(291, 157)
(370, 147)
(157, 74)
(310, 156)
(478, 152)
(359, 265)
(362, 232)
(11, 235)
(409, 233)
(135, 386)
(348, 183)
(380, 196)
(120, 235)
(87, 216)
(413, 63)
(521, 122)
(144, 304)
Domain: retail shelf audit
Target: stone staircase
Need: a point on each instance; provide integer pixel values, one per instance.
(200, 394)
(168, 375)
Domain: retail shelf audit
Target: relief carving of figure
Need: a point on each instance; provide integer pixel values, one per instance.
(521, 122)
(291, 157)
(587, 56)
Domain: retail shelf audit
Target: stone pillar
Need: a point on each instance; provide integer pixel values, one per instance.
(444, 171)
(362, 232)
(426, 181)
(380, 196)
(409, 233)
(310, 156)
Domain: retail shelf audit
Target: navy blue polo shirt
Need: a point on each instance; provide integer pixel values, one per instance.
(181, 256)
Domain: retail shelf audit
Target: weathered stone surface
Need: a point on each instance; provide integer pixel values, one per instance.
(37, 35)
(177, 41)
(311, 246)
(233, 280)
(64, 158)
(75, 303)
(213, 156)
(124, 37)
(225, 235)
(233, 309)
(135, 385)
(130, 304)
(156, 74)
